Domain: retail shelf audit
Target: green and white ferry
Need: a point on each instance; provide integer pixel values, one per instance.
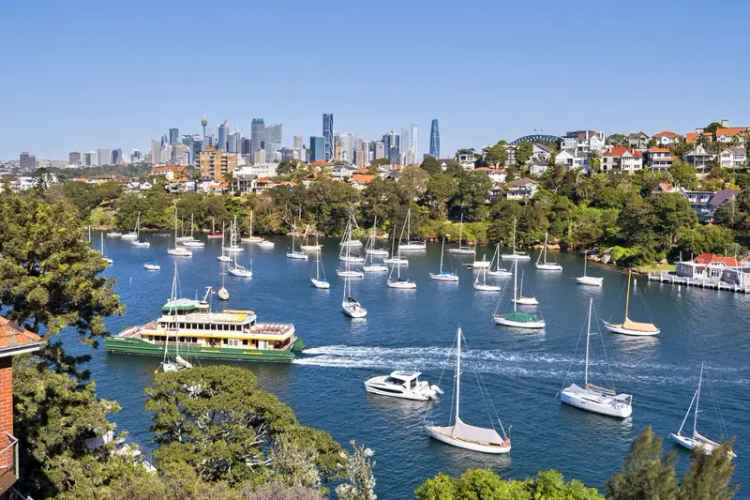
(189, 328)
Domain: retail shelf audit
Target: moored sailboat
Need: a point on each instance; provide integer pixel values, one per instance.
(586, 279)
(481, 284)
(541, 260)
(410, 245)
(628, 326)
(462, 250)
(319, 281)
(137, 241)
(594, 398)
(442, 275)
(515, 255)
(496, 270)
(349, 304)
(370, 246)
(176, 250)
(516, 318)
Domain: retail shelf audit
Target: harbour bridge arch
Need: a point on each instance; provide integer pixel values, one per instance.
(537, 138)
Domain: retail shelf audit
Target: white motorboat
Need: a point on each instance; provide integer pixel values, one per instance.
(318, 281)
(442, 275)
(403, 385)
(516, 318)
(696, 439)
(350, 305)
(151, 267)
(410, 245)
(481, 284)
(462, 250)
(586, 279)
(114, 234)
(594, 398)
(630, 327)
(541, 260)
(515, 255)
(496, 271)
(463, 435)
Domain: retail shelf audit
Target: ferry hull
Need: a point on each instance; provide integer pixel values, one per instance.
(142, 348)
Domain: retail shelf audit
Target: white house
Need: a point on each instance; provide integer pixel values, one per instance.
(727, 135)
(659, 158)
(734, 157)
(621, 159)
(521, 189)
(583, 141)
(667, 137)
(699, 158)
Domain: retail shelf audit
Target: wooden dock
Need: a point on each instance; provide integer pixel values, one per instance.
(711, 283)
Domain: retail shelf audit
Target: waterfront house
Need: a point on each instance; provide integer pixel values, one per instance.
(583, 142)
(638, 140)
(521, 189)
(700, 159)
(667, 137)
(621, 159)
(14, 340)
(658, 158)
(728, 135)
(713, 268)
(467, 158)
(361, 179)
(733, 157)
(538, 167)
(172, 173)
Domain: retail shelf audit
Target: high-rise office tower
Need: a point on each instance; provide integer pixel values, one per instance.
(117, 158)
(233, 142)
(27, 161)
(317, 149)
(344, 148)
(89, 159)
(257, 135)
(245, 148)
(155, 152)
(103, 156)
(328, 135)
(136, 156)
(221, 144)
(392, 146)
(409, 144)
(434, 139)
(74, 158)
(273, 141)
(174, 136)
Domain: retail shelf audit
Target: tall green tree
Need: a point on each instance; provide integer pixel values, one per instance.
(523, 154)
(710, 476)
(497, 154)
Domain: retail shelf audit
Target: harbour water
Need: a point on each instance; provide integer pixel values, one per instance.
(521, 371)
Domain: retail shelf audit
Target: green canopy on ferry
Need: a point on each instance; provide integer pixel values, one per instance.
(181, 305)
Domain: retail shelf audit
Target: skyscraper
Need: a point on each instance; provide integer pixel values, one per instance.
(221, 144)
(233, 142)
(174, 136)
(273, 141)
(434, 139)
(317, 149)
(117, 158)
(27, 161)
(392, 146)
(328, 135)
(204, 123)
(257, 135)
(74, 158)
(103, 156)
(410, 144)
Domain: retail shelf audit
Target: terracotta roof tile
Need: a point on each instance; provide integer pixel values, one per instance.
(730, 131)
(13, 336)
(711, 258)
(666, 133)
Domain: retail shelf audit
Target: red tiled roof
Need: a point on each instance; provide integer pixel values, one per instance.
(363, 178)
(730, 131)
(13, 336)
(655, 149)
(619, 151)
(711, 258)
(666, 133)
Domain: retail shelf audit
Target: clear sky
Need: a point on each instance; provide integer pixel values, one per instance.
(77, 75)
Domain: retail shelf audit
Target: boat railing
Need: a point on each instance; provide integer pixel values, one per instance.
(273, 328)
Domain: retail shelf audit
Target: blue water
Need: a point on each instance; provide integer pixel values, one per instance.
(521, 371)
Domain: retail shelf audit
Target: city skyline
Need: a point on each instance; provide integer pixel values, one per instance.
(122, 91)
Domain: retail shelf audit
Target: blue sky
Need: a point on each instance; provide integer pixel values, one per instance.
(84, 74)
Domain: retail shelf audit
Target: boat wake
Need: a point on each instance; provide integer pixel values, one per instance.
(526, 364)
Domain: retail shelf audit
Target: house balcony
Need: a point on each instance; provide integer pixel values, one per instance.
(8, 462)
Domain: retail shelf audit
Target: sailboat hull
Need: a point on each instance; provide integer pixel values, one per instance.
(619, 328)
(223, 258)
(353, 311)
(375, 252)
(481, 287)
(375, 268)
(481, 264)
(350, 274)
(444, 277)
(441, 435)
(461, 251)
(526, 301)
(323, 285)
(500, 273)
(352, 259)
(549, 267)
(402, 285)
(397, 261)
(297, 256)
(528, 325)
(594, 403)
(515, 256)
(590, 280)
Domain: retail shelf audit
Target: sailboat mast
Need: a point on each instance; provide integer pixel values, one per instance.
(627, 296)
(458, 375)
(588, 338)
(584, 262)
(514, 235)
(515, 285)
(697, 402)
(460, 230)
(442, 251)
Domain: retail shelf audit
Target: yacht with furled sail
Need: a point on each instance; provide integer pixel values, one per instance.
(481, 285)
(628, 326)
(251, 238)
(516, 318)
(463, 435)
(349, 304)
(541, 260)
(594, 398)
(399, 282)
(370, 246)
(177, 250)
(586, 279)
(179, 363)
(460, 249)
(101, 250)
(410, 245)
(346, 245)
(295, 254)
(234, 233)
(192, 242)
(395, 257)
(347, 271)
(495, 270)
(214, 234)
(223, 257)
(523, 300)
(137, 241)
(230, 335)
(238, 270)
(319, 281)
(515, 255)
(310, 247)
(443, 275)
(696, 440)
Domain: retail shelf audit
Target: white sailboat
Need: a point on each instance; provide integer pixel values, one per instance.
(482, 263)
(696, 439)
(350, 305)
(114, 234)
(101, 250)
(250, 238)
(266, 244)
(516, 318)
(183, 237)
(410, 245)
(481, 284)
(541, 260)
(350, 242)
(223, 293)
(319, 281)
(515, 255)
(400, 283)
(179, 362)
(239, 270)
(214, 235)
(462, 250)
(586, 279)
(522, 300)
(136, 242)
(132, 235)
(594, 398)
(176, 250)
(348, 272)
(192, 242)
(293, 253)
(234, 246)
(223, 257)
(370, 246)
(345, 246)
(442, 275)
(463, 435)
(628, 326)
(307, 247)
(497, 271)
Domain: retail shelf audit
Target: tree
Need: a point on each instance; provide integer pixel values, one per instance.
(617, 140)
(646, 473)
(711, 127)
(523, 154)
(287, 167)
(219, 422)
(440, 189)
(497, 154)
(360, 482)
(431, 165)
(473, 191)
(709, 476)
(49, 276)
(672, 212)
(683, 174)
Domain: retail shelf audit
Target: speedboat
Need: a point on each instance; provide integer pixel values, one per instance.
(353, 308)
(151, 267)
(403, 385)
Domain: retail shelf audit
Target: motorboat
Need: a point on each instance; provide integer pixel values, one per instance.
(403, 385)
(593, 398)
(541, 260)
(630, 327)
(151, 267)
(586, 279)
(463, 435)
